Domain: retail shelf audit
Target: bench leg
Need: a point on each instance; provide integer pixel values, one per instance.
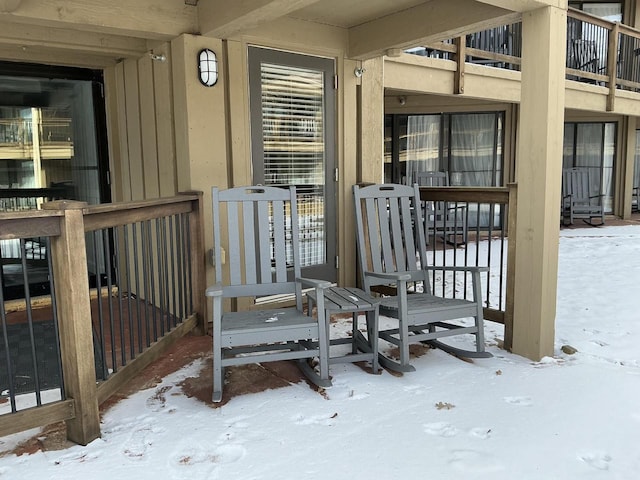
(372, 337)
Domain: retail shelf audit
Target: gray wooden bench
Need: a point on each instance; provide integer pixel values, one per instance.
(339, 300)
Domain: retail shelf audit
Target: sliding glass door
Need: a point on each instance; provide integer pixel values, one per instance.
(52, 146)
(592, 145)
(467, 146)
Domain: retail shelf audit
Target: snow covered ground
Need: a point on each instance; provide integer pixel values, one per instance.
(566, 417)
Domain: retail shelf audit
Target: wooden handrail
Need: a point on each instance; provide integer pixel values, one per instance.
(588, 18)
(123, 206)
(40, 223)
(466, 194)
(30, 224)
(67, 222)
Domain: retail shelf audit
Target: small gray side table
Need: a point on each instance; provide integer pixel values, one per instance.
(354, 301)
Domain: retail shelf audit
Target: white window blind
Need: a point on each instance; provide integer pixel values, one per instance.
(292, 101)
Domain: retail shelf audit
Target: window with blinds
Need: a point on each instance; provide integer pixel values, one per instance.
(292, 104)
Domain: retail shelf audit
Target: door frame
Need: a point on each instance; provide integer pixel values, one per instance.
(258, 55)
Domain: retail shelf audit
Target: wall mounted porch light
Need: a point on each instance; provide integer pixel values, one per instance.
(207, 67)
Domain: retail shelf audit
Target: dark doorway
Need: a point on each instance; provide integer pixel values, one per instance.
(53, 145)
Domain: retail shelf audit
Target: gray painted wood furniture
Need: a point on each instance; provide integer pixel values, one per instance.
(339, 300)
(258, 229)
(393, 255)
(578, 201)
(443, 219)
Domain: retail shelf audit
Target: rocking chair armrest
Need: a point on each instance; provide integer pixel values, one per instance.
(399, 276)
(214, 290)
(470, 269)
(312, 282)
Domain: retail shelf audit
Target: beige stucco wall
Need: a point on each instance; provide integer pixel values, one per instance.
(168, 133)
(206, 138)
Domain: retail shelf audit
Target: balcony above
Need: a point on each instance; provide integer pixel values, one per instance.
(602, 64)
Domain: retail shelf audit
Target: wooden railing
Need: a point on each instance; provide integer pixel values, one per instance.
(598, 51)
(18, 199)
(18, 131)
(489, 216)
(148, 252)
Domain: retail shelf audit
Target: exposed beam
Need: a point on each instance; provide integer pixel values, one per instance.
(141, 18)
(526, 5)
(428, 22)
(54, 57)
(7, 6)
(35, 37)
(221, 19)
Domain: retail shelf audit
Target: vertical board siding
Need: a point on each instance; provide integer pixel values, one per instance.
(147, 126)
(145, 155)
(113, 132)
(163, 96)
(132, 114)
(123, 146)
(144, 148)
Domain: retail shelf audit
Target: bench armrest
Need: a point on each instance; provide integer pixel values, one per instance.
(312, 282)
(214, 290)
(399, 276)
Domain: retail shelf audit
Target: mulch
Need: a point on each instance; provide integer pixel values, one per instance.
(241, 380)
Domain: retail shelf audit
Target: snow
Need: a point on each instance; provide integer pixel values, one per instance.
(565, 417)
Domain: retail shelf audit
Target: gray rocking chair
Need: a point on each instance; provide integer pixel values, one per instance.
(260, 236)
(577, 200)
(443, 219)
(392, 254)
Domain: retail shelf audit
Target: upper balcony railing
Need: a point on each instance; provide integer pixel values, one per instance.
(589, 58)
(19, 131)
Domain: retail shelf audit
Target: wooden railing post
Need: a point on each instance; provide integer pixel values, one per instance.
(198, 259)
(511, 264)
(71, 277)
(458, 79)
(612, 63)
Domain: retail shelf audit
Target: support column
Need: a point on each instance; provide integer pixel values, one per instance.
(200, 126)
(69, 259)
(200, 118)
(539, 177)
(348, 167)
(628, 162)
(371, 121)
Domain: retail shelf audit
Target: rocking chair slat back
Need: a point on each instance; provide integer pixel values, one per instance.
(258, 229)
(393, 261)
